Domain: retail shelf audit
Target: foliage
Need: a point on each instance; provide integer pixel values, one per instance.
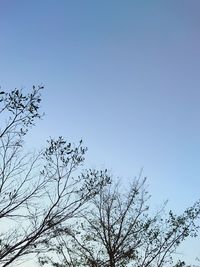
(119, 230)
(41, 191)
(68, 217)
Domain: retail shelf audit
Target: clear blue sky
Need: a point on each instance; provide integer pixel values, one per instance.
(122, 75)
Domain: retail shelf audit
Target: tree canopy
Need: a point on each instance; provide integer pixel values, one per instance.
(118, 230)
(67, 216)
(38, 191)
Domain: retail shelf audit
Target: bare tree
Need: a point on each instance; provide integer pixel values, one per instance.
(39, 192)
(119, 230)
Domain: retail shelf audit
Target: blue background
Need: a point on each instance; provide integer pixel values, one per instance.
(122, 75)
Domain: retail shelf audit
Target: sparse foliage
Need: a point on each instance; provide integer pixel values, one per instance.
(119, 230)
(73, 218)
(39, 192)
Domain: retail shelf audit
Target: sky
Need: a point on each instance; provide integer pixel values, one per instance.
(123, 75)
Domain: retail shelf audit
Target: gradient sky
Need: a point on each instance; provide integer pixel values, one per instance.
(124, 76)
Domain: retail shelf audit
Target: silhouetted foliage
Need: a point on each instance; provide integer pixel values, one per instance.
(118, 230)
(39, 192)
(67, 217)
